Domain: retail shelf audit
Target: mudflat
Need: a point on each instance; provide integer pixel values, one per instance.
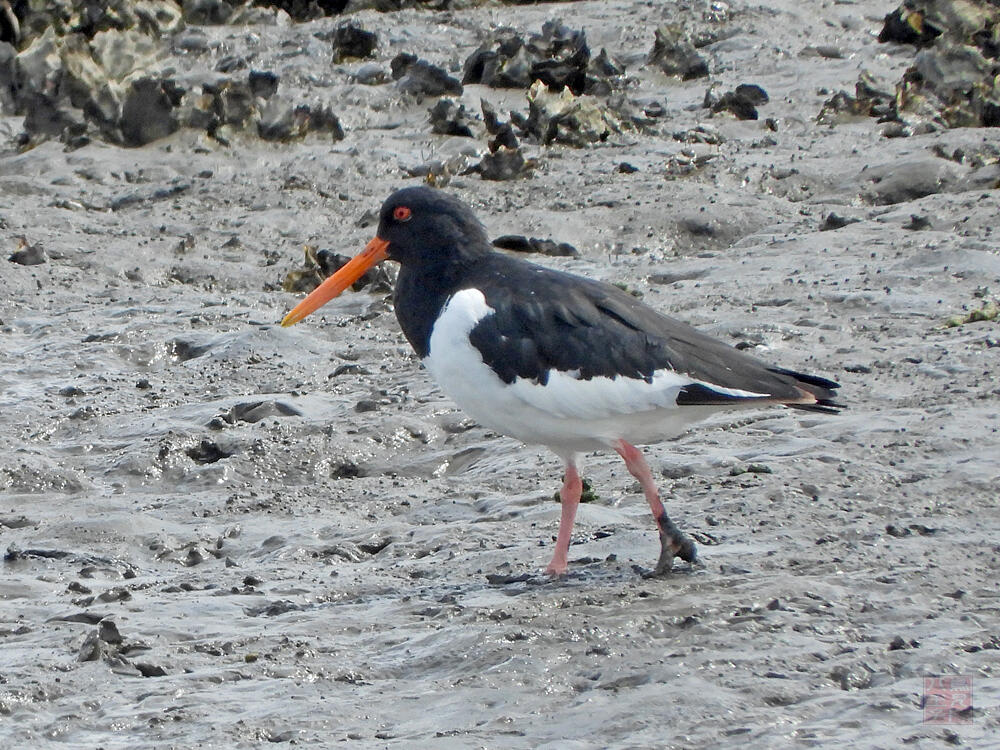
(219, 532)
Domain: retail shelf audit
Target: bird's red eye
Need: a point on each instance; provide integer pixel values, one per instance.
(402, 213)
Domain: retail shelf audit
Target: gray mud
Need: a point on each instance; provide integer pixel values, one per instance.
(220, 532)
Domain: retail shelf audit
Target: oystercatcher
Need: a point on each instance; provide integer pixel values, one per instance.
(556, 359)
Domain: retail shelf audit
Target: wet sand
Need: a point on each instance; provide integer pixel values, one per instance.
(220, 532)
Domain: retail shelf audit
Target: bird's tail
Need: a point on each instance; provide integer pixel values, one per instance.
(824, 391)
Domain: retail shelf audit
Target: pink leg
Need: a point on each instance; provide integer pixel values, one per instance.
(570, 496)
(673, 543)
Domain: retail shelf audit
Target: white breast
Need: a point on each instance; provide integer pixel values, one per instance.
(566, 414)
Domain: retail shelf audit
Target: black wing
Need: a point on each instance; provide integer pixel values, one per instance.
(549, 320)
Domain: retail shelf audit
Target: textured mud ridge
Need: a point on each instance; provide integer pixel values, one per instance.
(217, 532)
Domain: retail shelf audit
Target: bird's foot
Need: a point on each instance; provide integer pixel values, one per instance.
(556, 570)
(673, 543)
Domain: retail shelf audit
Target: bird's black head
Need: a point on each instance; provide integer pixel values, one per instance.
(430, 229)
(432, 235)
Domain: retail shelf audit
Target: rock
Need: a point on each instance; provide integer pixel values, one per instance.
(92, 648)
(371, 74)
(504, 164)
(419, 77)
(520, 243)
(156, 18)
(8, 56)
(150, 670)
(319, 264)
(502, 132)
(568, 119)
(558, 56)
(232, 63)
(207, 452)
(40, 64)
(263, 84)
(107, 631)
(10, 26)
(898, 182)
(45, 118)
(232, 101)
(194, 41)
(986, 177)
(438, 172)
(603, 66)
(871, 99)
(907, 26)
(742, 101)
(952, 82)
(71, 88)
(148, 111)
(447, 118)
(700, 134)
(119, 54)
(28, 254)
(918, 223)
(835, 221)
(565, 57)
(309, 10)
(207, 12)
(505, 66)
(674, 54)
(254, 411)
(954, 86)
(930, 22)
(280, 122)
(352, 42)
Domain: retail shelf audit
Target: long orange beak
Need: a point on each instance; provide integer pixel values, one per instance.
(373, 254)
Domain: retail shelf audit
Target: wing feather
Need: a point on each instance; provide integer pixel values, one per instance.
(583, 330)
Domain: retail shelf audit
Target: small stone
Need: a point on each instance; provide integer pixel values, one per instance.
(207, 12)
(520, 243)
(917, 223)
(906, 25)
(28, 255)
(742, 101)
(150, 670)
(263, 83)
(558, 57)
(370, 74)
(148, 111)
(207, 452)
(91, 649)
(419, 77)
(107, 631)
(352, 42)
(675, 55)
(836, 221)
(447, 118)
(504, 164)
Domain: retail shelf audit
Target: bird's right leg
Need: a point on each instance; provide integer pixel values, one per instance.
(673, 542)
(569, 497)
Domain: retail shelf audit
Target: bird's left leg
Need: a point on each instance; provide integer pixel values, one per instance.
(673, 543)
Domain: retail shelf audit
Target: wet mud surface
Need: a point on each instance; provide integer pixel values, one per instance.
(218, 532)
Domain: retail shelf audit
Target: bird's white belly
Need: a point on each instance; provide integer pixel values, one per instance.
(567, 414)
